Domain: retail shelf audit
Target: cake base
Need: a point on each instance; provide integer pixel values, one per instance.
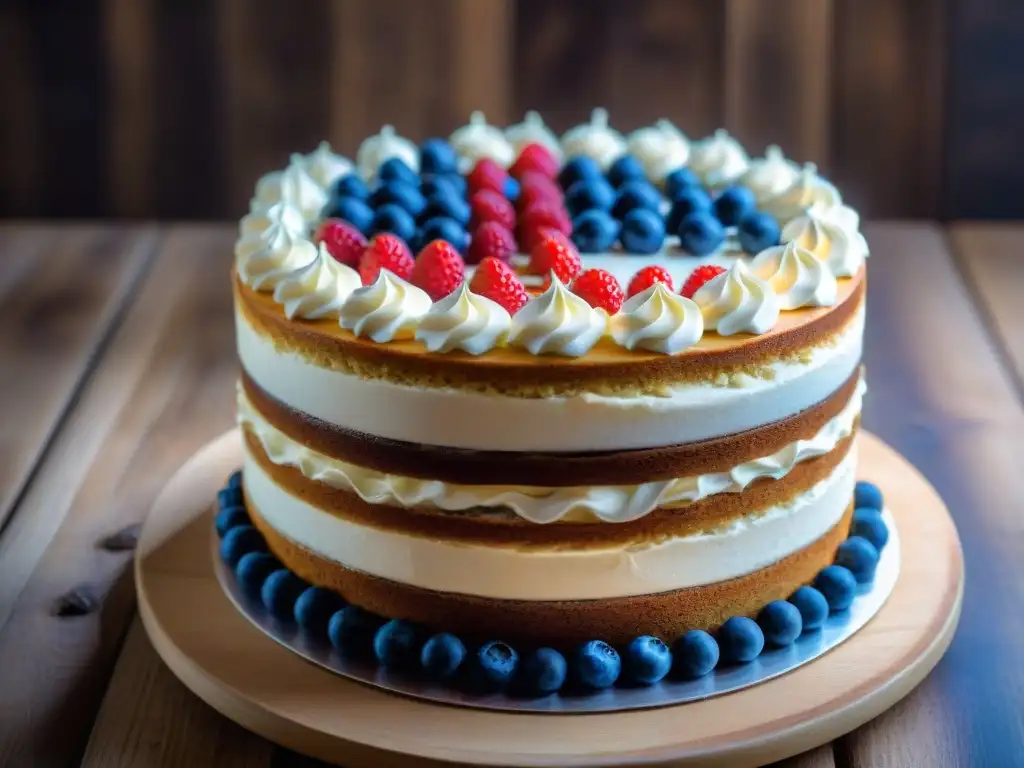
(251, 679)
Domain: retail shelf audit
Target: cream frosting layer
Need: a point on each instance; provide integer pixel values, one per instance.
(745, 546)
(609, 503)
(589, 422)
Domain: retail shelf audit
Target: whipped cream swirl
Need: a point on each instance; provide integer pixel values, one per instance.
(659, 320)
(719, 159)
(464, 320)
(770, 175)
(318, 289)
(661, 148)
(266, 258)
(533, 130)
(292, 186)
(477, 140)
(558, 322)
(808, 189)
(737, 301)
(798, 277)
(842, 248)
(388, 309)
(325, 166)
(261, 219)
(595, 139)
(387, 144)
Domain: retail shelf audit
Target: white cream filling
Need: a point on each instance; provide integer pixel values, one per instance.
(610, 503)
(745, 546)
(588, 422)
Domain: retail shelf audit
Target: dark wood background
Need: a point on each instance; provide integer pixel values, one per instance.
(172, 108)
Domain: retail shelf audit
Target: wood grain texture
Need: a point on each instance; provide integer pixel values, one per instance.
(822, 757)
(163, 386)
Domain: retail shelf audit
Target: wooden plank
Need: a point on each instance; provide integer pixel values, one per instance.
(939, 394)
(60, 292)
(822, 757)
(20, 140)
(777, 90)
(163, 388)
(888, 118)
(481, 70)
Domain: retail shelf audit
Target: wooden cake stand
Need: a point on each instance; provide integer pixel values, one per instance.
(251, 679)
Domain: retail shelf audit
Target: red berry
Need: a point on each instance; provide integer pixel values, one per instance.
(487, 174)
(491, 239)
(532, 180)
(557, 254)
(488, 205)
(529, 238)
(385, 252)
(498, 282)
(539, 196)
(550, 216)
(647, 277)
(599, 289)
(698, 277)
(535, 157)
(439, 269)
(344, 242)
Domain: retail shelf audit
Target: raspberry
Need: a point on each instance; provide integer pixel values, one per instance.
(498, 282)
(344, 242)
(550, 216)
(488, 205)
(385, 252)
(555, 253)
(599, 289)
(535, 157)
(439, 269)
(698, 277)
(487, 174)
(535, 188)
(647, 277)
(530, 237)
(491, 239)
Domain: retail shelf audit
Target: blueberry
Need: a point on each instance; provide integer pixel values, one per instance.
(315, 607)
(230, 497)
(691, 200)
(443, 228)
(701, 233)
(542, 672)
(395, 169)
(230, 517)
(448, 206)
(511, 189)
(437, 156)
(694, 654)
(679, 180)
(431, 186)
(496, 663)
(635, 193)
(588, 194)
(860, 557)
(780, 622)
(626, 168)
(596, 664)
(646, 660)
(234, 479)
(402, 194)
(239, 541)
(868, 524)
(351, 209)
(579, 167)
(812, 605)
(838, 586)
(740, 640)
(395, 219)
(643, 231)
(279, 593)
(351, 185)
(397, 644)
(757, 231)
(253, 569)
(442, 655)
(351, 630)
(594, 231)
(733, 204)
(867, 494)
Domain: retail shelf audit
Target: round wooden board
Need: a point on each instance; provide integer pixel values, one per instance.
(249, 678)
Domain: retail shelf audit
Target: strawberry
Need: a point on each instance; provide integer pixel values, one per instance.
(439, 269)
(599, 289)
(498, 282)
(555, 253)
(487, 174)
(530, 237)
(491, 239)
(647, 277)
(344, 242)
(488, 205)
(535, 157)
(698, 277)
(388, 252)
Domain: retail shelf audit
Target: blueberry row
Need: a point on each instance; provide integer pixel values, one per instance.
(495, 665)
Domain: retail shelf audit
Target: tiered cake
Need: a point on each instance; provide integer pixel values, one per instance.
(548, 391)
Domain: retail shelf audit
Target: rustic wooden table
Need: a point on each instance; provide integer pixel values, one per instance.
(117, 362)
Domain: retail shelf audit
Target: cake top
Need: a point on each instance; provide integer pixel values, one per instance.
(517, 240)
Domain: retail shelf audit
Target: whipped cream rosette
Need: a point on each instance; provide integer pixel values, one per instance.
(658, 320)
(557, 322)
(737, 301)
(465, 321)
(388, 309)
